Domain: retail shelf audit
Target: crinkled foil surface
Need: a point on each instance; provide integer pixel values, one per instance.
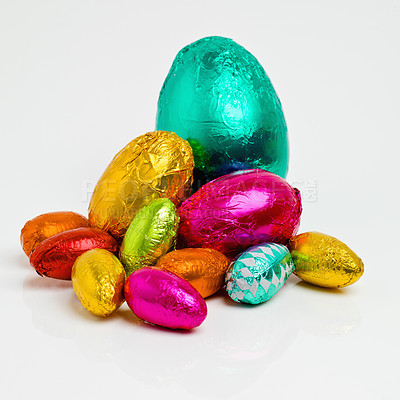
(55, 256)
(259, 273)
(204, 269)
(163, 298)
(155, 165)
(240, 210)
(219, 98)
(98, 279)
(150, 235)
(323, 260)
(46, 225)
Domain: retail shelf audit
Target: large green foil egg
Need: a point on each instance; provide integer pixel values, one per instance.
(219, 98)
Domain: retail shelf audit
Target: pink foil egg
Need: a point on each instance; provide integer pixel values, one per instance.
(163, 298)
(240, 210)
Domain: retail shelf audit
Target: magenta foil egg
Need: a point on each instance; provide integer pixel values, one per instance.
(240, 210)
(164, 299)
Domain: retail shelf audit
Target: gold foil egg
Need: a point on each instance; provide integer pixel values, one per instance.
(155, 165)
(98, 279)
(204, 269)
(322, 260)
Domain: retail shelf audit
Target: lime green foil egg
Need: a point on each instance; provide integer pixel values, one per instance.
(218, 97)
(150, 235)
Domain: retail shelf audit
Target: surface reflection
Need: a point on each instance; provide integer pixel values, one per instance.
(235, 345)
(326, 312)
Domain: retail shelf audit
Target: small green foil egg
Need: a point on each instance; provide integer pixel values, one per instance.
(98, 279)
(150, 235)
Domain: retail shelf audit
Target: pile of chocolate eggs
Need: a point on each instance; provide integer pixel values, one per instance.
(199, 205)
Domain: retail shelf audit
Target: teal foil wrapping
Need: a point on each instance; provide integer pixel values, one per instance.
(259, 273)
(219, 98)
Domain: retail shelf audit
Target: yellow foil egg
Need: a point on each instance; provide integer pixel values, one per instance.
(155, 165)
(98, 279)
(322, 260)
(204, 269)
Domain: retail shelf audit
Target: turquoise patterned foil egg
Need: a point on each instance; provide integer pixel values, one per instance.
(259, 273)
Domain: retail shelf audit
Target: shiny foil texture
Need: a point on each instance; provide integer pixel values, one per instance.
(150, 235)
(259, 273)
(324, 261)
(98, 279)
(218, 97)
(155, 165)
(240, 210)
(204, 269)
(46, 225)
(163, 298)
(55, 256)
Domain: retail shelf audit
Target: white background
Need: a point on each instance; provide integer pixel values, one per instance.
(80, 79)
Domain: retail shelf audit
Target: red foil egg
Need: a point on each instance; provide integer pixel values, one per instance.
(239, 210)
(55, 256)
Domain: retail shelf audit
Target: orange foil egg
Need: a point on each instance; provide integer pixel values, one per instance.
(55, 256)
(46, 225)
(203, 268)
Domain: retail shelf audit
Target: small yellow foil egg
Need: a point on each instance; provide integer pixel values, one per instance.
(322, 260)
(98, 279)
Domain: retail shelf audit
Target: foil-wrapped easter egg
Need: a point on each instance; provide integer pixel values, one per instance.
(155, 165)
(204, 269)
(46, 225)
(163, 298)
(323, 260)
(258, 273)
(55, 256)
(150, 235)
(240, 210)
(98, 279)
(219, 98)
